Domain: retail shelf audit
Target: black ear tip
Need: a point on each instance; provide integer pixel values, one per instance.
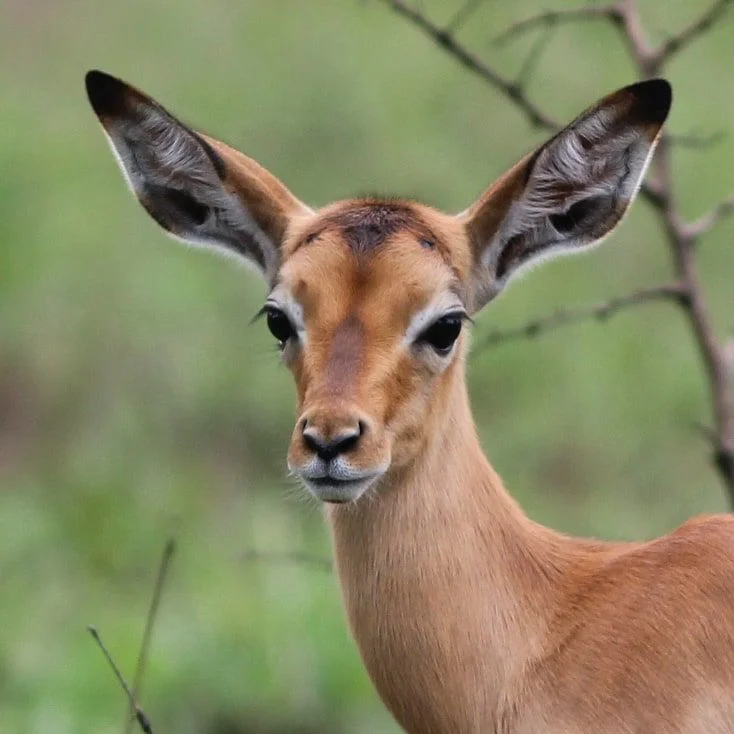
(652, 99)
(107, 95)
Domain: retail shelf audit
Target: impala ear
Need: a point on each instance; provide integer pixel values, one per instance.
(571, 192)
(199, 190)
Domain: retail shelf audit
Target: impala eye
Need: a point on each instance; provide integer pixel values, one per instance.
(442, 334)
(279, 325)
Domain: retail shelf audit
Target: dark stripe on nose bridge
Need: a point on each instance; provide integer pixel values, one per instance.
(342, 364)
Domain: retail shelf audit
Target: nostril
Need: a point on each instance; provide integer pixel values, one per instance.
(311, 439)
(328, 449)
(362, 427)
(345, 442)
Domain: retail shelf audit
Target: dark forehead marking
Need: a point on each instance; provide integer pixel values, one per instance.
(365, 225)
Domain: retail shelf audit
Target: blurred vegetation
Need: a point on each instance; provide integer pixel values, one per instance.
(136, 402)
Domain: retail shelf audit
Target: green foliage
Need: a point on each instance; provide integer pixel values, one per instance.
(135, 400)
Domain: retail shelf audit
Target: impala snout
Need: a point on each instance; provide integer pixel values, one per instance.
(335, 453)
(330, 447)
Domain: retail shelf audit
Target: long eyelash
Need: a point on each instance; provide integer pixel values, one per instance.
(262, 312)
(463, 315)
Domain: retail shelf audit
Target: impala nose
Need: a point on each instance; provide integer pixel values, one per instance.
(329, 445)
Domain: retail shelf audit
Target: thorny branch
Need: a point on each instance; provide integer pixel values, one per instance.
(473, 63)
(600, 311)
(696, 141)
(681, 236)
(610, 12)
(462, 15)
(708, 221)
(678, 42)
(514, 89)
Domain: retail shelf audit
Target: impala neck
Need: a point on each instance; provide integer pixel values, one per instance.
(442, 540)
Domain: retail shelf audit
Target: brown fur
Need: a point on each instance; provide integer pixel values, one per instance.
(365, 225)
(470, 617)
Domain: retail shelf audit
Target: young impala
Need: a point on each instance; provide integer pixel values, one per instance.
(469, 616)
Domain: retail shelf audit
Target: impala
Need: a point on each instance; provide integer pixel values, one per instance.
(469, 616)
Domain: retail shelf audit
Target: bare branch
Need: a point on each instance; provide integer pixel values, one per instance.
(728, 353)
(721, 386)
(474, 64)
(140, 716)
(294, 557)
(697, 141)
(599, 311)
(708, 221)
(676, 43)
(724, 460)
(658, 190)
(550, 18)
(514, 91)
(634, 36)
(462, 15)
(532, 59)
(155, 601)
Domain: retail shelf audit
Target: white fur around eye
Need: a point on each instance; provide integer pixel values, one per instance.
(435, 362)
(445, 303)
(291, 307)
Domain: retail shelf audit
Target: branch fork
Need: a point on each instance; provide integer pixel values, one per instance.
(682, 237)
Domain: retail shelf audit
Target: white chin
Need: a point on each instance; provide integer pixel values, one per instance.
(337, 492)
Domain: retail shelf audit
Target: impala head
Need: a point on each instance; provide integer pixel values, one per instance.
(368, 298)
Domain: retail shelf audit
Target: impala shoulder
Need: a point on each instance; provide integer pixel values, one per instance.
(690, 560)
(705, 532)
(708, 523)
(696, 544)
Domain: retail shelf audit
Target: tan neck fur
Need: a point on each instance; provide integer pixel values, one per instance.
(444, 565)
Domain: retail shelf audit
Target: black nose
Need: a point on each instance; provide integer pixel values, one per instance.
(327, 449)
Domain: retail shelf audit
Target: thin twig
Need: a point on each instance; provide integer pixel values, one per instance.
(610, 12)
(634, 36)
(532, 59)
(697, 141)
(567, 317)
(708, 221)
(139, 714)
(728, 352)
(155, 602)
(681, 242)
(474, 64)
(462, 15)
(658, 190)
(290, 557)
(678, 42)
(511, 89)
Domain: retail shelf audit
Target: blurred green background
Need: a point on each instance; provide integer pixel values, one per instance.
(136, 402)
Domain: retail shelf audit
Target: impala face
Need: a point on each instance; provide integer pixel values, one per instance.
(369, 298)
(368, 309)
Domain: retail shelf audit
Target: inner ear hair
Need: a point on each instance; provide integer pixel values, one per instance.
(571, 192)
(578, 213)
(199, 190)
(174, 207)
